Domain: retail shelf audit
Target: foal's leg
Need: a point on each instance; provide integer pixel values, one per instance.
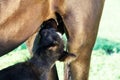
(82, 20)
(53, 74)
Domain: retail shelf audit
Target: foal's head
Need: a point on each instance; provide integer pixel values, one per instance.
(50, 43)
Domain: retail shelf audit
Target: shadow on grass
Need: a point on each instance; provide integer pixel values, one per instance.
(108, 46)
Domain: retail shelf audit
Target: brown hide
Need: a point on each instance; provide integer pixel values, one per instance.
(82, 21)
(20, 19)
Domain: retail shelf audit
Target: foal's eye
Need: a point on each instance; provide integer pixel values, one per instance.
(55, 43)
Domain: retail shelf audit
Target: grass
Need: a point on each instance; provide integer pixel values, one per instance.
(13, 58)
(109, 46)
(104, 67)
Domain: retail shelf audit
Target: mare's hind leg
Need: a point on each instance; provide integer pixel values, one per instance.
(82, 21)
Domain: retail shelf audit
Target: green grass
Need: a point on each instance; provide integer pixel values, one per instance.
(13, 58)
(107, 45)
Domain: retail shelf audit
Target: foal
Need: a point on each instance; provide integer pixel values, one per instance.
(50, 49)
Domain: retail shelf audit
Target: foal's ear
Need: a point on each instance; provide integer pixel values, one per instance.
(66, 55)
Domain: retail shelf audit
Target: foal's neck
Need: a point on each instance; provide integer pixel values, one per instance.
(41, 65)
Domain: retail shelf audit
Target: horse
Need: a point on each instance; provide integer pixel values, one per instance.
(20, 20)
(45, 56)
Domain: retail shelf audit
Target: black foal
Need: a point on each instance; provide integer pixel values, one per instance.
(50, 49)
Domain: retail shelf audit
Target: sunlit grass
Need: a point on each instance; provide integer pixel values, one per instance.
(105, 67)
(13, 58)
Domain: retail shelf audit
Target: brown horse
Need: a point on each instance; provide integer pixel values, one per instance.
(20, 19)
